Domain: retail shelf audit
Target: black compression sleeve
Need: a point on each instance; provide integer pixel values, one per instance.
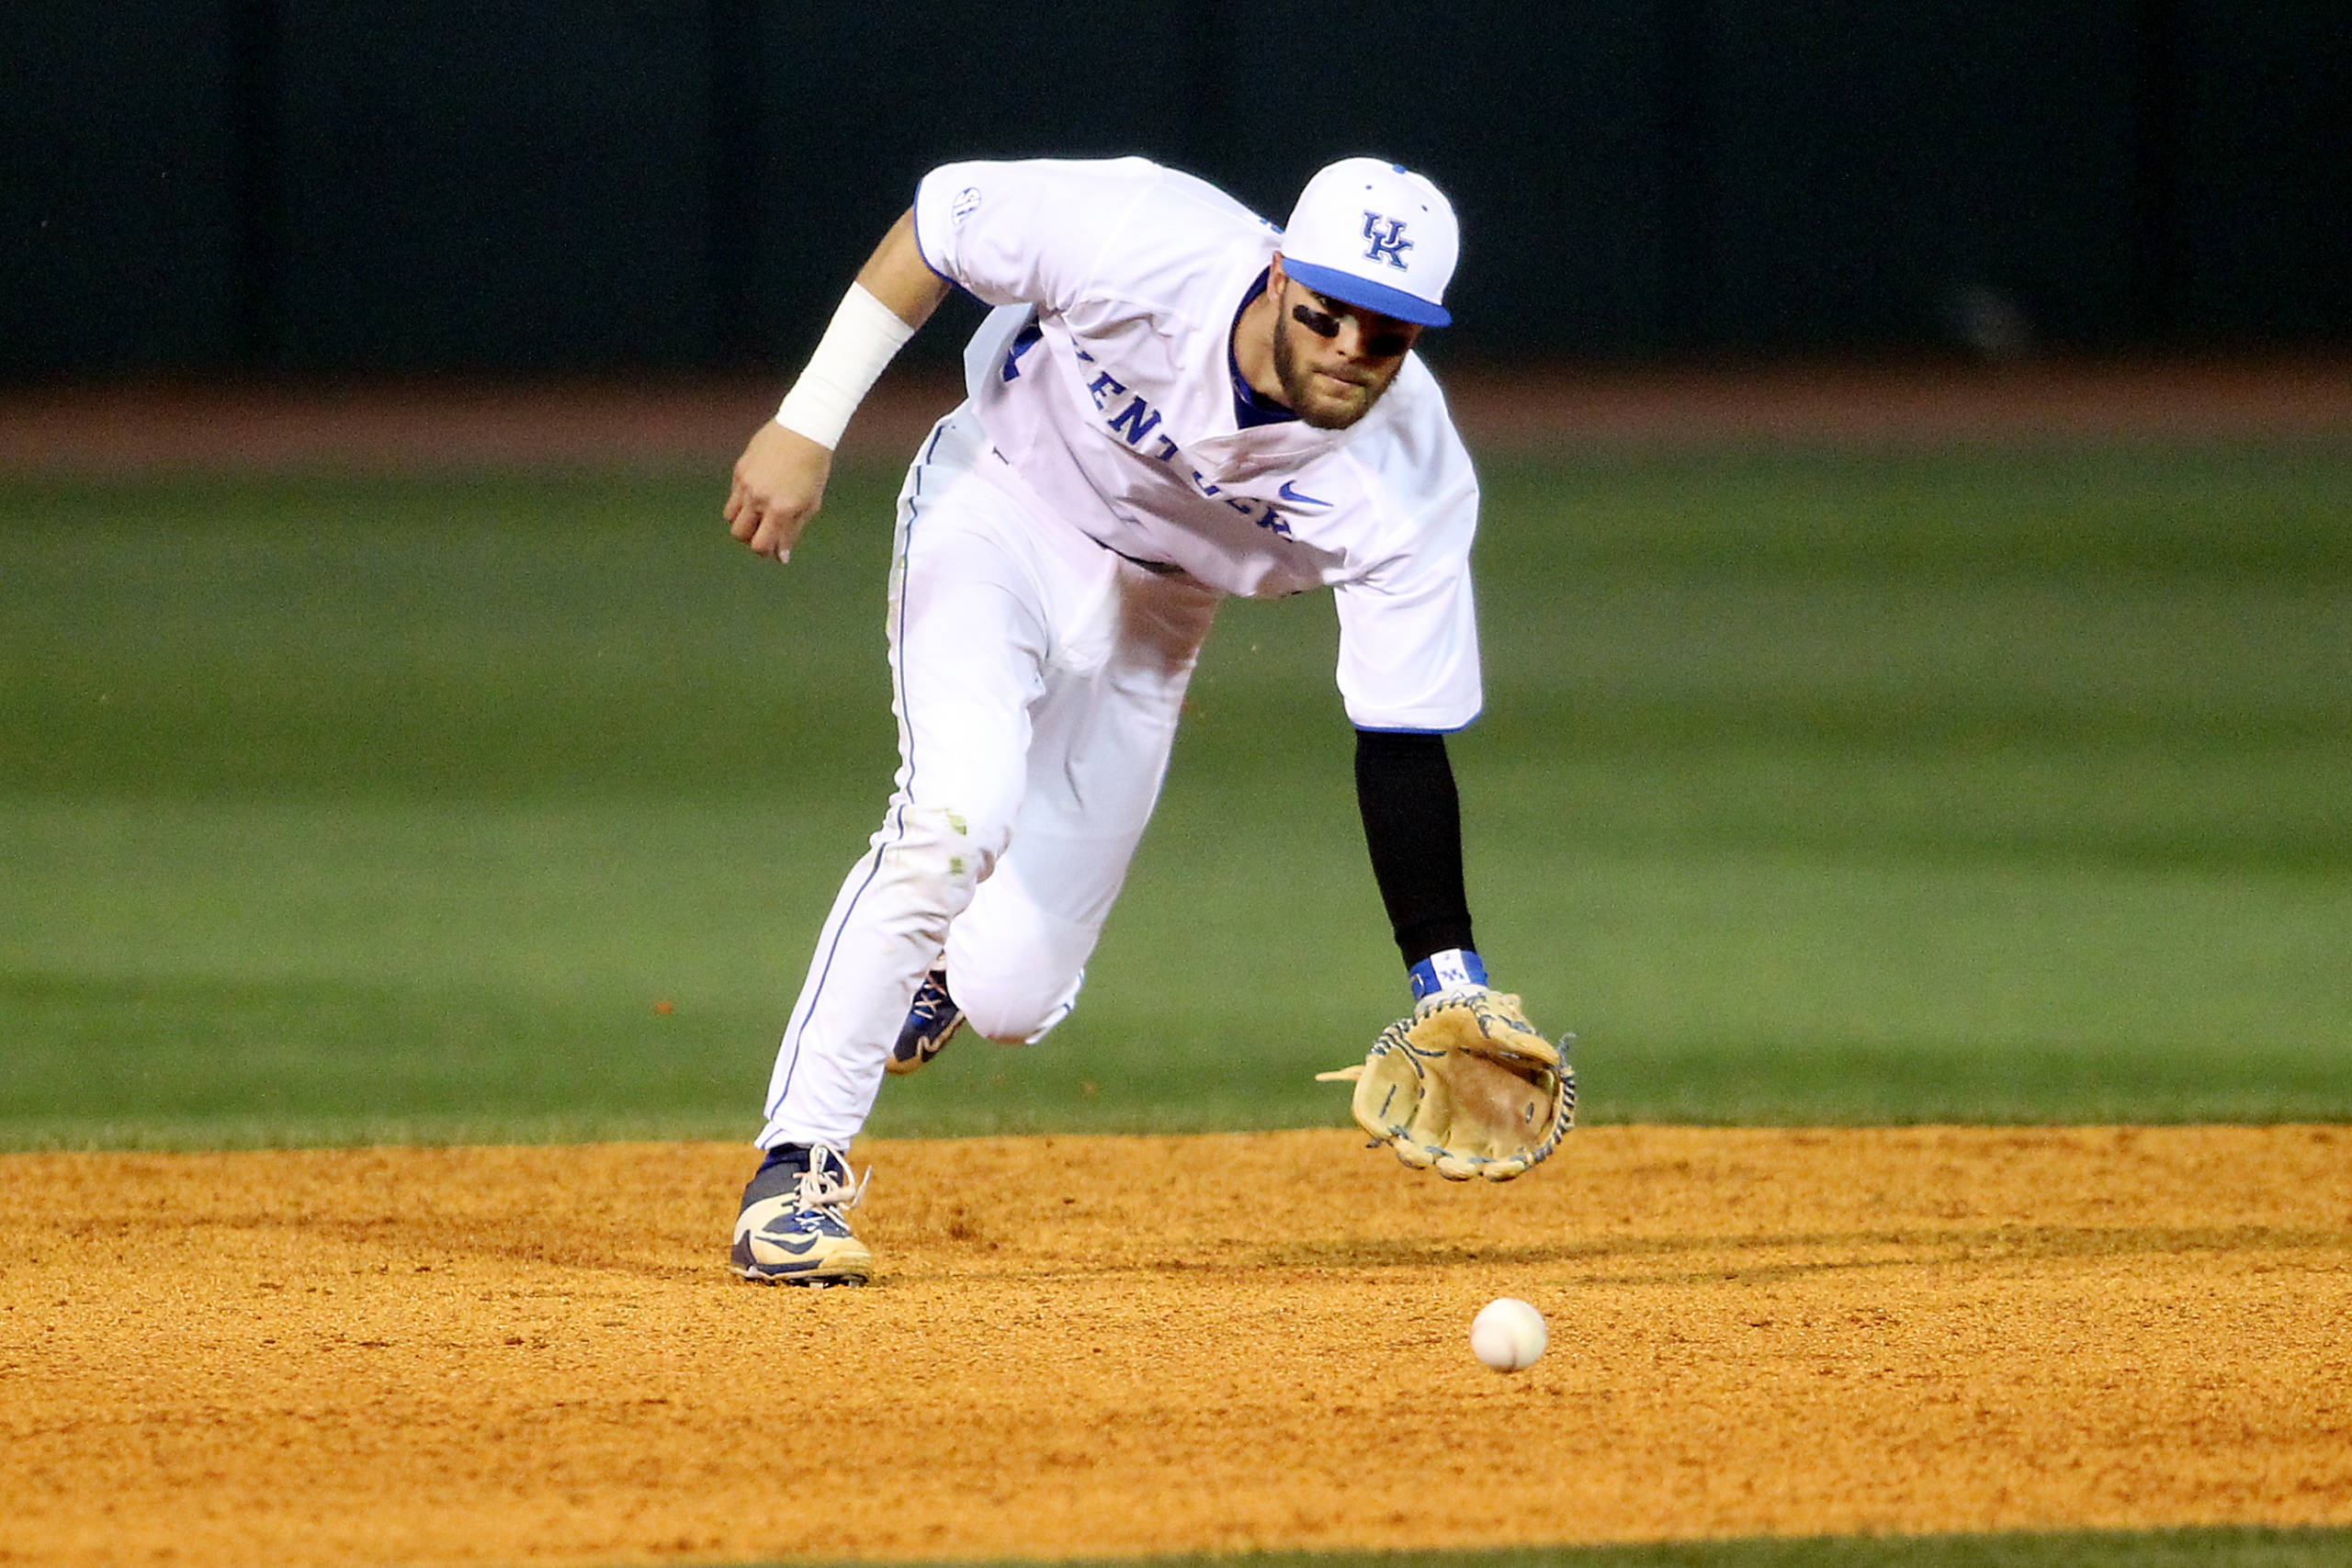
(1412, 823)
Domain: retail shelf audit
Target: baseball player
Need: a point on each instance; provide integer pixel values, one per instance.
(1171, 401)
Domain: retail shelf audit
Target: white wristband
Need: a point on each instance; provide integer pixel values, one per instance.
(865, 336)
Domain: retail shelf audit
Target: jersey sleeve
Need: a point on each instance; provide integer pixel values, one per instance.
(1408, 651)
(1409, 626)
(1025, 233)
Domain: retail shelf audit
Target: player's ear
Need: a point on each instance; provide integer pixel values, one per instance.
(1275, 276)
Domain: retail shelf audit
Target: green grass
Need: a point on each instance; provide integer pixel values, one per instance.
(1966, 785)
(2119, 1549)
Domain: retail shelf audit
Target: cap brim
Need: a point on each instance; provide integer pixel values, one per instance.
(1347, 287)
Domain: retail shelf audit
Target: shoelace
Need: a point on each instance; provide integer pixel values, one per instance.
(821, 1188)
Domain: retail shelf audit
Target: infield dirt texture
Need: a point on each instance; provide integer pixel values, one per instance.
(1097, 1346)
(1086, 1346)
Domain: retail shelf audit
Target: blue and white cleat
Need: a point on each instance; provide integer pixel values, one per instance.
(792, 1229)
(931, 1023)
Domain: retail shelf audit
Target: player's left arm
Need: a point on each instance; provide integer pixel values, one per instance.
(1464, 1084)
(1412, 825)
(1408, 670)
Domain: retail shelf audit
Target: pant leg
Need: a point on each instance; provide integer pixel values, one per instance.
(1098, 754)
(970, 635)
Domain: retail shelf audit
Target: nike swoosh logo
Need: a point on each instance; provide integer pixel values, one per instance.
(1292, 495)
(795, 1247)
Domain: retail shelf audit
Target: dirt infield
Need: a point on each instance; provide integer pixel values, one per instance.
(1087, 1345)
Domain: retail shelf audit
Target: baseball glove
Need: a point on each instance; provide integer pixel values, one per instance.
(1466, 1087)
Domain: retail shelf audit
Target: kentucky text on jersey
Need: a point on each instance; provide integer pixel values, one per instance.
(1138, 419)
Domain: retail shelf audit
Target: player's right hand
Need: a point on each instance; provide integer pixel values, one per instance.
(779, 484)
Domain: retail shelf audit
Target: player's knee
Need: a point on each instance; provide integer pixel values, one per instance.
(942, 845)
(1015, 1009)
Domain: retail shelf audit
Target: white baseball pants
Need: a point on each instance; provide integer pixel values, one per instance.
(1037, 679)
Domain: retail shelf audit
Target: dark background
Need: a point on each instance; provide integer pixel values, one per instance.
(266, 186)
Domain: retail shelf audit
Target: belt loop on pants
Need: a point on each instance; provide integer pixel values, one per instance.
(1157, 568)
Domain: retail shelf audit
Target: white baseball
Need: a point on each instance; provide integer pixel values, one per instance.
(1507, 1333)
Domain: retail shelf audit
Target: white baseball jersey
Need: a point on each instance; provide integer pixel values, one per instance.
(1105, 382)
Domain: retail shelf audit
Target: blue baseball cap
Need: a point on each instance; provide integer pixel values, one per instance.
(1377, 235)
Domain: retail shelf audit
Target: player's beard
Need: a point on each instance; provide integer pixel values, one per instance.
(1317, 402)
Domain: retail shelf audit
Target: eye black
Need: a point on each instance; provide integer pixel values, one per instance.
(1387, 345)
(1315, 320)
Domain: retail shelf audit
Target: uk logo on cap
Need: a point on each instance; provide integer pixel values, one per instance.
(1387, 237)
(1374, 234)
